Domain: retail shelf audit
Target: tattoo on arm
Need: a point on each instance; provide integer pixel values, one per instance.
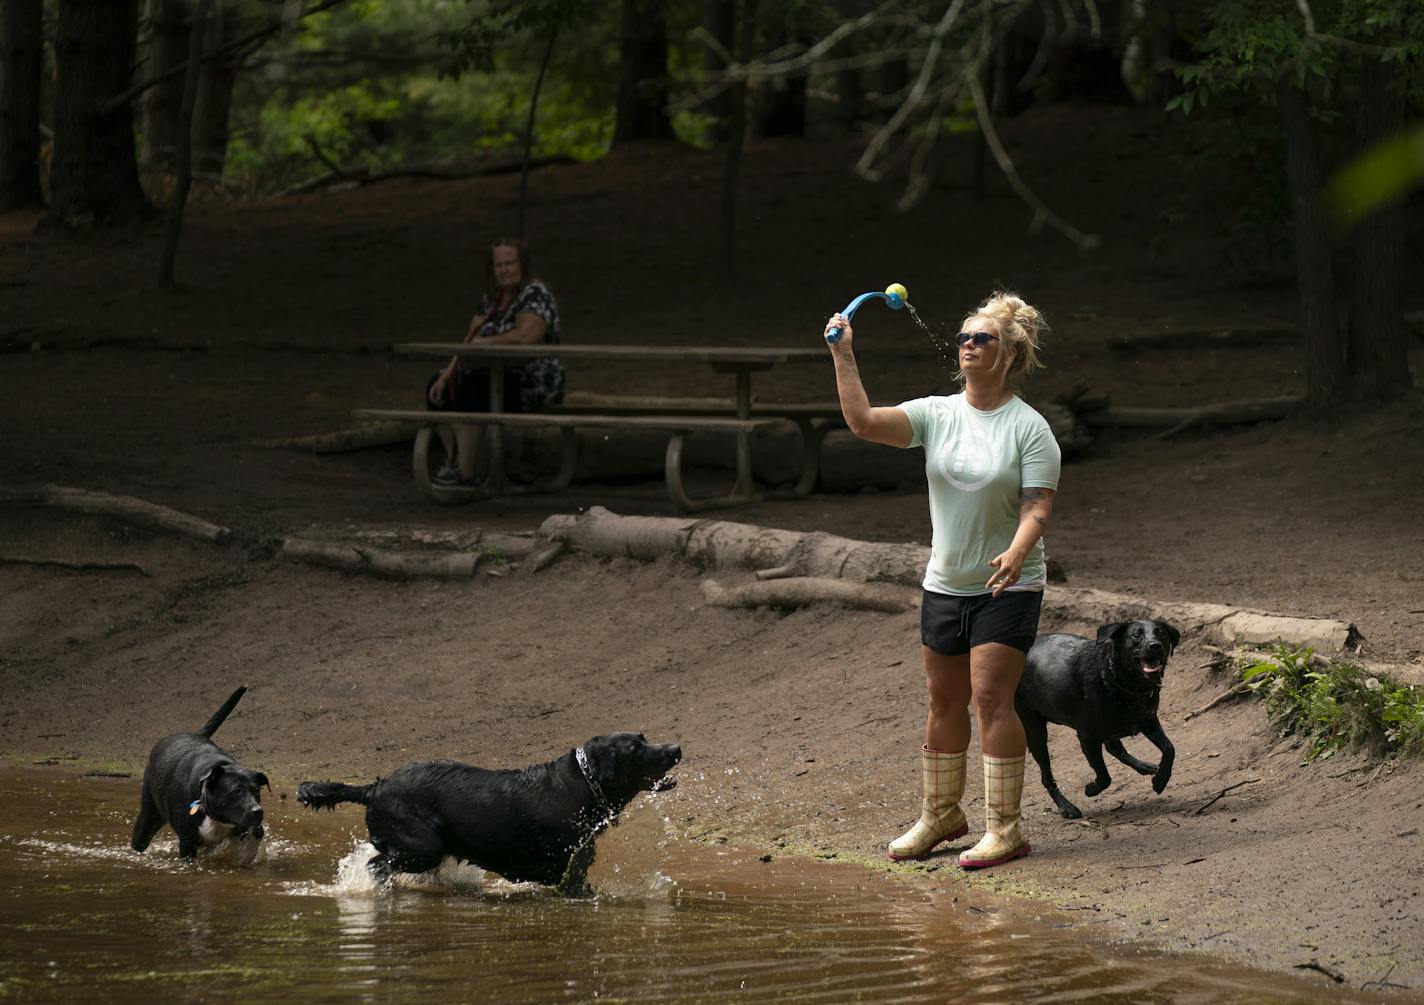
(1031, 497)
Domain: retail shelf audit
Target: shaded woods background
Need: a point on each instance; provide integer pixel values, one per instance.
(112, 111)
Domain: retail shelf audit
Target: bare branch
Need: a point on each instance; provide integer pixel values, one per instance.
(1350, 45)
(1042, 214)
(124, 97)
(866, 165)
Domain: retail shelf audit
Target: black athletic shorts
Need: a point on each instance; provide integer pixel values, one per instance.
(472, 392)
(951, 626)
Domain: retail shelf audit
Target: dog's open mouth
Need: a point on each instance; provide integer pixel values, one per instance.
(1149, 667)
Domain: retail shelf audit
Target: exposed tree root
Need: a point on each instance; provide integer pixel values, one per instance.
(123, 508)
(392, 564)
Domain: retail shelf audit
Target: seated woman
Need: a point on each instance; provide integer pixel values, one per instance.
(516, 309)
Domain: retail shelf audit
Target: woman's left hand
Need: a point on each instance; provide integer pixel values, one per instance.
(1007, 566)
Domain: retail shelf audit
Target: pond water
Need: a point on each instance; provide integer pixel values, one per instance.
(82, 918)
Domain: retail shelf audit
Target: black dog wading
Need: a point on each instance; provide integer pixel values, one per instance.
(536, 824)
(196, 787)
(1104, 690)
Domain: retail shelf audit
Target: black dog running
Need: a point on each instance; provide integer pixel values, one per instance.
(536, 824)
(1105, 690)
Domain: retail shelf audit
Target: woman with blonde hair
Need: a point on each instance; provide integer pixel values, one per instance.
(993, 467)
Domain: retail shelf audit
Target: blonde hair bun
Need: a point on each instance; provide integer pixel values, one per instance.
(1020, 327)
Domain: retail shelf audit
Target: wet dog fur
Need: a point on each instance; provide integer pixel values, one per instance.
(1104, 689)
(197, 788)
(536, 824)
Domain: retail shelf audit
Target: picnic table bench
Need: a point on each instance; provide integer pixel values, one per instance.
(680, 426)
(744, 418)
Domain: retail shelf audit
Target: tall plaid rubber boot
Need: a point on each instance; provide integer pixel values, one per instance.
(1003, 838)
(941, 819)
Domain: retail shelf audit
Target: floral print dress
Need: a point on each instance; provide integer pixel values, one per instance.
(541, 381)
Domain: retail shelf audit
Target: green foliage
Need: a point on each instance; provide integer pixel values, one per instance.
(378, 84)
(1337, 705)
(474, 44)
(1245, 46)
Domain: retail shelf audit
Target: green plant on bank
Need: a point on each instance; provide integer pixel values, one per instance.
(1336, 705)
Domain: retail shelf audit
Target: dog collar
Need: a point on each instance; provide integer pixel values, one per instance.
(587, 772)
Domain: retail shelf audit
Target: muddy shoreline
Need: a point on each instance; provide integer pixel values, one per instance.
(801, 733)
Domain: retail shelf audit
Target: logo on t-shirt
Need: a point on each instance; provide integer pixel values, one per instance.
(969, 461)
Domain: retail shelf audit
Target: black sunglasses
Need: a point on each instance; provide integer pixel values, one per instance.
(980, 339)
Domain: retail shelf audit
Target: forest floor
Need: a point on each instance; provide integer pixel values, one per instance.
(801, 730)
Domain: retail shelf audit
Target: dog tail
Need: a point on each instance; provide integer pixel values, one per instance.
(326, 795)
(212, 724)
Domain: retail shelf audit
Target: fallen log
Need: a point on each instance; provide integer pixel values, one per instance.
(1226, 338)
(801, 591)
(1216, 623)
(60, 563)
(381, 562)
(125, 509)
(360, 177)
(541, 559)
(784, 553)
(1176, 419)
(721, 543)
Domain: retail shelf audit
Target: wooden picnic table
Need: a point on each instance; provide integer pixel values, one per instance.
(740, 361)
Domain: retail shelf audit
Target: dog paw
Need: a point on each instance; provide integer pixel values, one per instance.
(1070, 812)
(1159, 782)
(1094, 787)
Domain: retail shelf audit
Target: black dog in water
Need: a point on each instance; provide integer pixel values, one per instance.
(532, 824)
(1104, 690)
(196, 787)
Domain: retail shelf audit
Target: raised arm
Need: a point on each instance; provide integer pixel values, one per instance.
(890, 426)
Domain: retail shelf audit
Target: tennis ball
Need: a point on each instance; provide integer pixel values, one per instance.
(898, 290)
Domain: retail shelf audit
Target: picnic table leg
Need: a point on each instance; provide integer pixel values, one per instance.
(744, 488)
(813, 434)
(677, 488)
(672, 473)
(494, 448)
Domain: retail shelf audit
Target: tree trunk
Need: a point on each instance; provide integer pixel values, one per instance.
(529, 127)
(1324, 349)
(21, 49)
(643, 81)
(719, 19)
(183, 159)
(781, 104)
(94, 177)
(168, 22)
(214, 100)
(1377, 353)
(732, 156)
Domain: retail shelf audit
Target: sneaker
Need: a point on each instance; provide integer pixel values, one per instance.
(447, 475)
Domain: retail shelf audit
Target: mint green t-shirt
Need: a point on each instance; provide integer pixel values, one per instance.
(977, 463)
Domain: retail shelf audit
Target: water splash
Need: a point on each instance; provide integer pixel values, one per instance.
(354, 879)
(163, 853)
(944, 345)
